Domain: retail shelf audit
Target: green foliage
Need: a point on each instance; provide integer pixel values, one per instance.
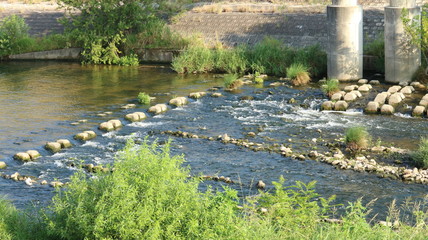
(144, 98)
(13, 35)
(231, 81)
(420, 156)
(195, 59)
(357, 138)
(148, 196)
(313, 57)
(377, 48)
(298, 73)
(330, 87)
(229, 60)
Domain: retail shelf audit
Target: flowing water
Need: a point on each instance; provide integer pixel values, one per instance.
(39, 100)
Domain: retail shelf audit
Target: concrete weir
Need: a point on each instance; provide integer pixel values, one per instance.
(345, 40)
(401, 58)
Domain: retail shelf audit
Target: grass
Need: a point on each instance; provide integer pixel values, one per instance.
(150, 195)
(330, 87)
(298, 73)
(377, 48)
(231, 81)
(143, 98)
(357, 138)
(420, 156)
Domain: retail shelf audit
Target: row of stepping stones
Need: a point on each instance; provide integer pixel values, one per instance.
(339, 101)
(421, 109)
(385, 102)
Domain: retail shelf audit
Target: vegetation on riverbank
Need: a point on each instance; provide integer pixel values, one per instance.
(150, 196)
(420, 156)
(357, 138)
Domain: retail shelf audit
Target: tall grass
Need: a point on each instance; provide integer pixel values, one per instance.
(330, 87)
(298, 73)
(420, 156)
(357, 138)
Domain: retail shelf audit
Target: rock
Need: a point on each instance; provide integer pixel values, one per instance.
(178, 101)
(53, 146)
(22, 156)
(106, 126)
(127, 106)
(425, 97)
(260, 184)
(74, 123)
(403, 83)
(246, 98)
(364, 88)
(56, 184)
(197, 95)
(363, 81)
(374, 82)
(337, 96)
(418, 111)
(15, 176)
(327, 105)
(33, 154)
(251, 134)
(225, 137)
(372, 107)
(407, 90)
(116, 123)
(381, 98)
(350, 88)
(101, 114)
(313, 154)
(423, 102)
(29, 181)
(357, 93)
(387, 109)
(394, 89)
(301, 157)
(44, 182)
(275, 84)
(82, 121)
(394, 99)
(340, 106)
(65, 143)
(413, 84)
(132, 117)
(81, 136)
(2, 165)
(350, 96)
(158, 108)
(216, 95)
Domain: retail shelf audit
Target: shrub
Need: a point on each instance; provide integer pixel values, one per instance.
(144, 98)
(130, 60)
(195, 59)
(298, 73)
(420, 156)
(377, 48)
(231, 81)
(229, 60)
(313, 57)
(13, 35)
(330, 87)
(357, 138)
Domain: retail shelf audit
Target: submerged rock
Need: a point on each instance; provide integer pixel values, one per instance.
(53, 146)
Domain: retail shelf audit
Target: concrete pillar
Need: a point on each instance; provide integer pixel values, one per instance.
(401, 58)
(345, 40)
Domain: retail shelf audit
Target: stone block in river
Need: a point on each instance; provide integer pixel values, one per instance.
(132, 117)
(53, 146)
(381, 98)
(197, 95)
(424, 102)
(158, 108)
(364, 88)
(337, 96)
(374, 82)
(357, 93)
(363, 81)
(116, 123)
(387, 109)
(340, 106)
(394, 99)
(91, 134)
(22, 156)
(350, 96)
(327, 105)
(394, 89)
(106, 126)
(178, 101)
(216, 95)
(2, 165)
(372, 107)
(65, 143)
(407, 90)
(418, 111)
(33, 154)
(350, 88)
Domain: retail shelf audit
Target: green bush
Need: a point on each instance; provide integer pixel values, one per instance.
(144, 98)
(231, 81)
(195, 59)
(13, 35)
(298, 73)
(313, 57)
(330, 87)
(377, 48)
(229, 60)
(420, 156)
(357, 138)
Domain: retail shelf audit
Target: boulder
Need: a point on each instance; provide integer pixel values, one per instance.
(350, 88)
(403, 83)
(387, 109)
(418, 111)
(33, 154)
(178, 101)
(364, 88)
(424, 103)
(106, 126)
(23, 156)
(381, 98)
(116, 123)
(394, 99)
(132, 117)
(407, 90)
(350, 96)
(327, 105)
(372, 107)
(158, 108)
(260, 184)
(2, 165)
(91, 134)
(394, 89)
(197, 95)
(374, 82)
(65, 143)
(425, 97)
(81, 136)
(340, 106)
(53, 146)
(363, 81)
(337, 96)
(216, 95)
(141, 115)
(357, 93)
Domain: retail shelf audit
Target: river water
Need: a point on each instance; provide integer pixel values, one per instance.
(39, 100)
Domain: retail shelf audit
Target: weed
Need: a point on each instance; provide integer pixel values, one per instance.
(377, 48)
(420, 156)
(231, 81)
(298, 73)
(144, 98)
(330, 87)
(357, 138)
